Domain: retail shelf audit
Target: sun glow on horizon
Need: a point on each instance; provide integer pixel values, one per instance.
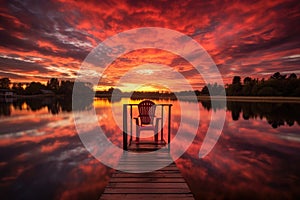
(135, 87)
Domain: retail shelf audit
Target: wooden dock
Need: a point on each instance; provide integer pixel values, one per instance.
(146, 146)
(166, 183)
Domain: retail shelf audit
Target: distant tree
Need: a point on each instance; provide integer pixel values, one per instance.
(205, 91)
(212, 90)
(66, 87)
(34, 88)
(247, 88)
(276, 85)
(235, 89)
(247, 80)
(292, 76)
(278, 76)
(82, 96)
(110, 90)
(117, 91)
(18, 88)
(4, 83)
(53, 84)
(197, 92)
(84, 88)
(236, 80)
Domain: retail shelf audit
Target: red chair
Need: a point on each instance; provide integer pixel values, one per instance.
(145, 120)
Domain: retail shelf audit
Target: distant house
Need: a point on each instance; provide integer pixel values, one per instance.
(6, 95)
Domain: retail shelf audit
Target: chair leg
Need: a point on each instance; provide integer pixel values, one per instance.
(156, 132)
(156, 137)
(137, 137)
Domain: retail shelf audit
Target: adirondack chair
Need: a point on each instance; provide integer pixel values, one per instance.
(146, 120)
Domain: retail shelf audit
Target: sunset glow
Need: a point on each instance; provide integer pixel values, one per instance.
(44, 40)
(144, 99)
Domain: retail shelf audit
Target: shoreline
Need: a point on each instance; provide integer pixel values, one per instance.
(268, 99)
(253, 99)
(34, 96)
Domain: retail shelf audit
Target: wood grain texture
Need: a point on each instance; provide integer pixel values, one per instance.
(166, 183)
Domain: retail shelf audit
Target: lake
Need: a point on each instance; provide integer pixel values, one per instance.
(257, 156)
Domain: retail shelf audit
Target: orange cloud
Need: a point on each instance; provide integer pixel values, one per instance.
(243, 38)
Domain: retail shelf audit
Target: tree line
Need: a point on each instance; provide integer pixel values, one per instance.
(53, 86)
(276, 114)
(275, 85)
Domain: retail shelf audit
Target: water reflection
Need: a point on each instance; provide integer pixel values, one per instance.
(42, 156)
(251, 160)
(276, 114)
(5, 109)
(54, 105)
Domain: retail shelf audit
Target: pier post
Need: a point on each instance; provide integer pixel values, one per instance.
(162, 123)
(125, 127)
(169, 125)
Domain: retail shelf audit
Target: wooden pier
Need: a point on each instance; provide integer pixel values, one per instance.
(166, 183)
(142, 174)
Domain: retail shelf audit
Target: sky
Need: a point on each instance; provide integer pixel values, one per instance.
(45, 39)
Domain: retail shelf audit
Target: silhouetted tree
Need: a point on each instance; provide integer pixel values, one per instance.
(18, 88)
(247, 88)
(247, 80)
(235, 89)
(204, 90)
(212, 90)
(34, 88)
(276, 85)
(53, 84)
(278, 76)
(66, 87)
(4, 83)
(292, 76)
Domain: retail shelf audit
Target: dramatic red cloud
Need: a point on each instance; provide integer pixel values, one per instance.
(137, 67)
(44, 40)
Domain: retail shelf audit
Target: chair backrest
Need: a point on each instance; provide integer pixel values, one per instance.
(146, 111)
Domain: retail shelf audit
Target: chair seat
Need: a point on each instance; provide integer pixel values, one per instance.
(146, 127)
(145, 120)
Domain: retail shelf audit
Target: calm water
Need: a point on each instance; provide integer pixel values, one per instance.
(256, 157)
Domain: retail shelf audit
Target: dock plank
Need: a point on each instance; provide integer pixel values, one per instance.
(147, 180)
(153, 185)
(157, 175)
(147, 196)
(146, 191)
(166, 183)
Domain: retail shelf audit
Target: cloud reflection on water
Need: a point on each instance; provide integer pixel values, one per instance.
(42, 156)
(250, 161)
